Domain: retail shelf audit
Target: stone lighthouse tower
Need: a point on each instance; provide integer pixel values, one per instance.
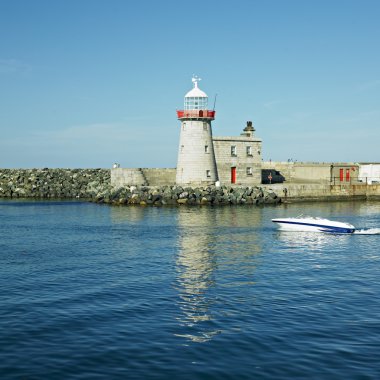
(196, 163)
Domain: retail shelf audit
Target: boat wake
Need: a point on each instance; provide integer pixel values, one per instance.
(370, 231)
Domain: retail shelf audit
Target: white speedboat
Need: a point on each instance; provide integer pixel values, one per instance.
(309, 223)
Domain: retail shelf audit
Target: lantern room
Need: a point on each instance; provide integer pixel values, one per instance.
(195, 104)
(196, 99)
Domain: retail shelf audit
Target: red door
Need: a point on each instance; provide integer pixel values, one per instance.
(341, 175)
(233, 175)
(347, 175)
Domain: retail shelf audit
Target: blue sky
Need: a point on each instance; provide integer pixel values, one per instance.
(85, 83)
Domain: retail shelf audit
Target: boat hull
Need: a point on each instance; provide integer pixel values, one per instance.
(314, 225)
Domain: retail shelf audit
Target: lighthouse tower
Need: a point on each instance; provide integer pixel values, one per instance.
(196, 163)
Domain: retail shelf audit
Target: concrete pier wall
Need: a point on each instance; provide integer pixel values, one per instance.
(121, 177)
(160, 177)
(320, 192)
(314, 172)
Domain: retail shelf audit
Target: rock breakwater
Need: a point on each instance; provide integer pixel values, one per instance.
(177, 195)
(95, 185)
(54, 183)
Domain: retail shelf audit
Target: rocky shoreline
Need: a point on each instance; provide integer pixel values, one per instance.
(177, 195)
(95, 185)
(53, 183)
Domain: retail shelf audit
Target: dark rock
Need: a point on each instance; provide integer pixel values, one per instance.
(94, 185)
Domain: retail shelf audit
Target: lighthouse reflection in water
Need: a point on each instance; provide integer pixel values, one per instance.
(216, 250)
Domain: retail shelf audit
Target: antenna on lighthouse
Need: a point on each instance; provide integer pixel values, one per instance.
(215, 101)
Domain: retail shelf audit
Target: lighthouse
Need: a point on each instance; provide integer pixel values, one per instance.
(196, 163)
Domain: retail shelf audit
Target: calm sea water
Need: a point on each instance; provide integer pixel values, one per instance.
(97, 292)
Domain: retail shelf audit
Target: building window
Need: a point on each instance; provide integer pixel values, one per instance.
(182, 146)
(208, 173)
(249, 171)
(205, 126)
(233, 150)
(206, 149)
(249, 151)
(183, 126)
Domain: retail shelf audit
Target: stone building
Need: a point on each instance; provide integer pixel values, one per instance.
(369, 172)
(238, 158)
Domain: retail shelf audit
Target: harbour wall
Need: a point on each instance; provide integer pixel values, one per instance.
(96, 184)
(325, 192)
(314, 172)
(293, 172)
(142, 176)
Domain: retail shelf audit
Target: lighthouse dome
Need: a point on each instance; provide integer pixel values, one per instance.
(196, 99)
(196, 93)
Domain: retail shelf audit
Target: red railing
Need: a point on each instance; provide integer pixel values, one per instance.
(202, 114)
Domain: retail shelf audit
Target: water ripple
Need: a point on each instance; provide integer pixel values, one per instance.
(96, 292)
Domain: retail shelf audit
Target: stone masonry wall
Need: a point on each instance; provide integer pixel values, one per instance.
(314, 172)
(196, 159)
(125, 176)
(142, 176)
(159, 176)
(322, 192)
(248, 166)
